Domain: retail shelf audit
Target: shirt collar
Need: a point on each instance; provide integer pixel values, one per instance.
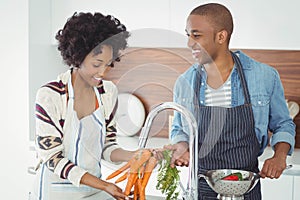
(100, 88)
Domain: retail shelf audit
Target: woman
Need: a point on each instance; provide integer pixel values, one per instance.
(75, 125)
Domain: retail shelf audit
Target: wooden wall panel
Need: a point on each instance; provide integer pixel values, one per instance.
(150, 73)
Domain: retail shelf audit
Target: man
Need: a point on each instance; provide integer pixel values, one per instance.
(235, 101)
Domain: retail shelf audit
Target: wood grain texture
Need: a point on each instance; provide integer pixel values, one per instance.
(150, 74)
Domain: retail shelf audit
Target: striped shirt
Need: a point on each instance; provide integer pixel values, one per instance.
(220, 96)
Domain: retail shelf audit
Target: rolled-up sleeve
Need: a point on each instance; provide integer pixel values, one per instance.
(281, 124)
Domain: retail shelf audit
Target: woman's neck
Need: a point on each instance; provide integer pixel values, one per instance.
(84, 96)
(80, 86)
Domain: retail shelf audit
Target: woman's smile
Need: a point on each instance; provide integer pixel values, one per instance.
(97, 79)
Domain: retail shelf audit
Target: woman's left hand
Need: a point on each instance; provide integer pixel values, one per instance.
(157, 153)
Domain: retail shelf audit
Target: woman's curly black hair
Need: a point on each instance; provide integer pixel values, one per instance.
(85, 32)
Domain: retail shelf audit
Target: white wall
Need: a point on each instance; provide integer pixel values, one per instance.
(44, 60)
(14, 99)
(267, 24)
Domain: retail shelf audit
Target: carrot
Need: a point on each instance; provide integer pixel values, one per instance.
(122, 178)
(131, 179)
(119, 171)
(141, 170)
(148, 171)
(136, 191)
(139, 160)
(139, 184)
(135, 173)
(135, 162)
(137, 169)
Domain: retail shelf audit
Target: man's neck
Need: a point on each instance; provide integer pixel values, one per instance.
(219, 70)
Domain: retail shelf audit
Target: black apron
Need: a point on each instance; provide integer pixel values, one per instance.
(227, 139)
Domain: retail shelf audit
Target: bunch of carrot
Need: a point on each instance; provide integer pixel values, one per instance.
(137, 171)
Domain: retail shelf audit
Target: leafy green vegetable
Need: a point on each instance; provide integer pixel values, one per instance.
(167, 177)
(238, 174)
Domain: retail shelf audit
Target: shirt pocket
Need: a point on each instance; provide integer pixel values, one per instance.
(260, 106)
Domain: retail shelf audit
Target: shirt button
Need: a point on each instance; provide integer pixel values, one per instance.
(201, 101)
(202, 83)
(259, 102)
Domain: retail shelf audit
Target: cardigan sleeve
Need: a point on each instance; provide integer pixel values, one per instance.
(49, 135)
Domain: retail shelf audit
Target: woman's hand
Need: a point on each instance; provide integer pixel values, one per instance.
(116, 192)
(157, 153)
(112, 189)
(180, 155)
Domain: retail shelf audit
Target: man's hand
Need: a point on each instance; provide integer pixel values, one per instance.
(273, 167)
(184, 160)
(180, 155)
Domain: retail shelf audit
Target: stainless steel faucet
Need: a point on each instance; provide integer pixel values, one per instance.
(191, 191)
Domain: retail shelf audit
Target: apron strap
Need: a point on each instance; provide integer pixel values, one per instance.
(198, 80)
(242, 76)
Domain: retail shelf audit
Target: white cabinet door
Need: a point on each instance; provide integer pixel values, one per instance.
(296, 187)
(278, 189)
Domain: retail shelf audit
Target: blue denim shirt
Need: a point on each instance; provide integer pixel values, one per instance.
(267, 98)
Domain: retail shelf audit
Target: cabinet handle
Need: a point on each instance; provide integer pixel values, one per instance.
(31, 170)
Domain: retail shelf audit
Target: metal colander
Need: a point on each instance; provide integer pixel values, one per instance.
(230, 189)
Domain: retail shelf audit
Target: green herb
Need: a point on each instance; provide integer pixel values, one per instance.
(167, 177)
